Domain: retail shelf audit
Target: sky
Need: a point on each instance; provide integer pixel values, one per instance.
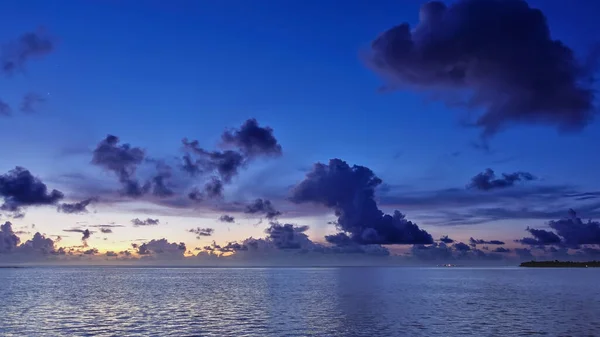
(306, 123)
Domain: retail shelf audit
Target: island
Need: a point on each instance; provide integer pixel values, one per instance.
(560, 264)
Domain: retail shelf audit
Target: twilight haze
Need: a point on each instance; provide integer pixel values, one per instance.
(227, 132)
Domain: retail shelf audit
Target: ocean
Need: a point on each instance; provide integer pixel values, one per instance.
(116, 301)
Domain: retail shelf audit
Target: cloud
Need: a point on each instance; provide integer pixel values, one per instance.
(148, 222)
(570, 232)
(287, 236)
(111, 254)
(446, 239)
(20, 188)
(350, 192)
(262, 206)
(496, 56)
(487, 180)
(541, 237)
(8, 239)
(226, 218)
(213, 188)
(123, 160)
(75, 208)
(225, 163)
(249, 142)
(474, 242)
(91, 251)
(290, 238)
(86, 233)
(15, 54)
(161, 248)
(253, 140)
(105, 230)
(201, 232)
(501, 250)
(462, 247)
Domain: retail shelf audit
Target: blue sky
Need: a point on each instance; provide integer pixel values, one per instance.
(154, 72)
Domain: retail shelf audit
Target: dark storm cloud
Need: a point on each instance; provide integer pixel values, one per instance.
(74, 208)
(475, 242)
(487, 180)
(15, 54)
(20, 188)
(123, 160)
(226, 218)
(148, 222)
(446, 239)
(252, 140)
(500, 57)
(350, 192)
(262, 206)
(201, 232)
(8, 239)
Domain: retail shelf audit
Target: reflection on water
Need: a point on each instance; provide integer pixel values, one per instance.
(299, 302)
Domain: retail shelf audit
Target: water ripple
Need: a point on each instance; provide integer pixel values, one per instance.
(298, 302)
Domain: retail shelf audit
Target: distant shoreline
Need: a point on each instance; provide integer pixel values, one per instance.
(560, 264)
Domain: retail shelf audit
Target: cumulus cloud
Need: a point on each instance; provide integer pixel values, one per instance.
(226, 218)
(487, 180)
(20, 188)
(8, 239)
(77, 207)
(161, 248)
(201, 232)
(350, 192)
(570, 232)
(252, 140)
(248, 142)
(496, 56)
(148, 222)
(263, 207)
(123, 160)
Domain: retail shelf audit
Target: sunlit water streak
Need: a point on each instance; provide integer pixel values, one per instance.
(299, 302)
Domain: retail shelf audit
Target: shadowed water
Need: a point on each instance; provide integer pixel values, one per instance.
(299, 302)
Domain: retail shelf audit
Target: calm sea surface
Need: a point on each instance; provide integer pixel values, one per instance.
(299, 302)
